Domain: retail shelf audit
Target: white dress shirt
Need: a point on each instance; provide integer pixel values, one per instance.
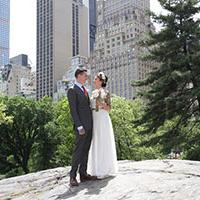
(79, 85)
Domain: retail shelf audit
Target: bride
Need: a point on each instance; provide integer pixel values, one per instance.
(102, 160)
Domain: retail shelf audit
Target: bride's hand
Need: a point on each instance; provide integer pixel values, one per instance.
(106, 107)
(98, 104)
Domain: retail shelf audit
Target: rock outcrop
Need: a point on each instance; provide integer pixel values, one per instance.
(144, 180)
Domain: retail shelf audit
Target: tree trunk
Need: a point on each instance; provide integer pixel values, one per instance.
(25, 167)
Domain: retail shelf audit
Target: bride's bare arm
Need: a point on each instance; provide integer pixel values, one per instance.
(107, 104)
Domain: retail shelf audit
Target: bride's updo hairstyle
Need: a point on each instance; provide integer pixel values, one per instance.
(103, 78)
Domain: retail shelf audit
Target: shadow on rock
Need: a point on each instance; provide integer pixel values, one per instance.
(92, 188)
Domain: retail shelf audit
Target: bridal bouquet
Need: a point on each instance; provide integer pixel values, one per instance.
(101, 97)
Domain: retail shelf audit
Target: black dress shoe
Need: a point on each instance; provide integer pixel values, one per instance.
(73, 182)
(88, 177)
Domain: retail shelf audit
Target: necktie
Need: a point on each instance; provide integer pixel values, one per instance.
(85, 91)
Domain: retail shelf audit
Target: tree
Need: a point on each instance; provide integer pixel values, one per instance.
(128, 141)
(46, 142)
(19, 137)
(174, 86)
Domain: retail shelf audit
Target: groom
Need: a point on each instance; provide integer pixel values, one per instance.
(79, 103)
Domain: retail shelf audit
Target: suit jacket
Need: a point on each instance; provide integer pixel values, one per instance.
(80, 108)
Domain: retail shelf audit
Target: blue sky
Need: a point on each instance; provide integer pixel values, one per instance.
(23, 27)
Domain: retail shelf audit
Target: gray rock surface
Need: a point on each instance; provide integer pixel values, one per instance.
(144, 180)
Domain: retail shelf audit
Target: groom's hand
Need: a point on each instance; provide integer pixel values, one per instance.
(81, 130)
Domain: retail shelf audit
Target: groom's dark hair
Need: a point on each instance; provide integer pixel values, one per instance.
(80, 70)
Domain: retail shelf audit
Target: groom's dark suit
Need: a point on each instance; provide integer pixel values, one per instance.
(82, 116)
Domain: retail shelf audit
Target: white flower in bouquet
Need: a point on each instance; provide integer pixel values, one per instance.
(102, 94)
(95, 94)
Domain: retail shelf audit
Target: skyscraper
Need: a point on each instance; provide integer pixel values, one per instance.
(62, 33)
(21, 59)
(92, 22)
(120, 25)
(4, 31)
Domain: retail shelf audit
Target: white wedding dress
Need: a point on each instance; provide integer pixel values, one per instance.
(102, 160)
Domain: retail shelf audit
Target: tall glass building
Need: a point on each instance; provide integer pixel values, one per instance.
(4, 31)
(92, 21)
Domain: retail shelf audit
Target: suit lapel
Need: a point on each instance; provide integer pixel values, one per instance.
(78, 89)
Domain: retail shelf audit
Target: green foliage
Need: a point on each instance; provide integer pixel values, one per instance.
(122, 116)
(65, 133)
(173, 98)
(191, 145)
(46, 142)
(3, 118)
(38, 136)
(19, 137)
(128, 142)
